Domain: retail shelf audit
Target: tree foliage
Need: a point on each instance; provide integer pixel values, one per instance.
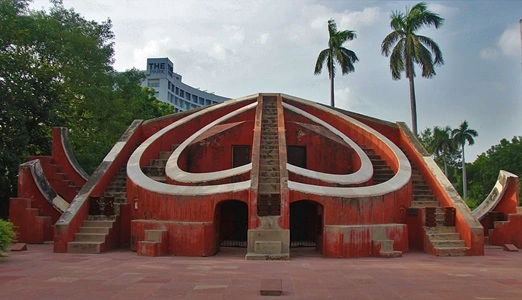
(439, 143)
(7, 235)
(336, 54)
(406, 48)
(483, 172)
(56, 70)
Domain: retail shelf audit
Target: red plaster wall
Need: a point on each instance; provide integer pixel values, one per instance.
(357, 241)
(186, 239)
(322, 154)
(215, 153)
(29, 226)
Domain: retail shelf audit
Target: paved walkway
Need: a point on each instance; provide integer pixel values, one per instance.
(40, 274)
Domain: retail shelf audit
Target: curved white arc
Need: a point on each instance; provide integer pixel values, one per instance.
(174, 172)
(399, 180)
(494, 197)
(364, 173)
(137, 176)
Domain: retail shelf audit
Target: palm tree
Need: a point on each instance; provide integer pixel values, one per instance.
(462, 135)
(443, 144)
(336, 53)
(406, 48)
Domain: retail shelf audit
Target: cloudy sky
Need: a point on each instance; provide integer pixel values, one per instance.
(237, 48)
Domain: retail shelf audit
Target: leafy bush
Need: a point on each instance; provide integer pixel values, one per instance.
(7, 234)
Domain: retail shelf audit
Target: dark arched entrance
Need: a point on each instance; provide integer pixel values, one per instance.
(233, 224)
(306, 224)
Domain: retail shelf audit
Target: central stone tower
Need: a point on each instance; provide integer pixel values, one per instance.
(269, 234)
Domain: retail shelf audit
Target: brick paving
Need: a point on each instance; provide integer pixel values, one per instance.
(40, 274)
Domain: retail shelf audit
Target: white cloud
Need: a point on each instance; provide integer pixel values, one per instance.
(509, 41)
(443, 10)
(352, 20)
(155, 48)
(489, 53)
(263, 39)
(507, 44)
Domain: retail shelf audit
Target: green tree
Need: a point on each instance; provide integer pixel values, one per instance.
(483, 172)
(336, 53)
(443, 145)
(462, 135)
(406, 48)
(56, 70)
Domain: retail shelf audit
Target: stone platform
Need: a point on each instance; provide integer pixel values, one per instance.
(40, 274)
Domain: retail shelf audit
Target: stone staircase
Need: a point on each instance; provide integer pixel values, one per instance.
(269, 199)
(61, 183)
(381, 171)
(96, 234)
(156, 167)
(93, 237)
(440, 239)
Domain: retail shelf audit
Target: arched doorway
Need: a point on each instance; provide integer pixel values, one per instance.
(232, 220)
(306, 224)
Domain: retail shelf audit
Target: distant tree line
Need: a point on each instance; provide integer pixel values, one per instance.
(56, 70)
(473, 180)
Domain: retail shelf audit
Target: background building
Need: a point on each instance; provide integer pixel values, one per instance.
(169, 88)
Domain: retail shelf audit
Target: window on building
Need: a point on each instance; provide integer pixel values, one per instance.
(207, 102)
(177, 91)
(153, 83)
(187, 96)
(182, 93)
(201, 101)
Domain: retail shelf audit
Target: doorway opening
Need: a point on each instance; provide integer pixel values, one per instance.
(233, 224)
(306, 224)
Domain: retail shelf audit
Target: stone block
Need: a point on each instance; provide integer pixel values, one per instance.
(18, 247)
(271, 287)
(267, 247)
(510, 248)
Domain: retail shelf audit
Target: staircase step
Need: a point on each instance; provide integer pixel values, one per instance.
(165, 154)
(451, 251)
(84, 247)
(440, 229)
(89, 237)
(448, 243)
(268, 188)
(98, 223)
(104, 230)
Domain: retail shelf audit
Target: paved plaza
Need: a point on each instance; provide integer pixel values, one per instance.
(41, 274)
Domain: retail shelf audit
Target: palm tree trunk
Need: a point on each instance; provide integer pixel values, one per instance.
(332, 101)
(413, 105)
(464, 183)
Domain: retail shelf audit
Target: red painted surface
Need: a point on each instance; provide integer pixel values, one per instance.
(21, 213)
(507, 232)
(356, 241)
(186, 239)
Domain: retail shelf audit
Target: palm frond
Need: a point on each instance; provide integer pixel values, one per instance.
(323, 55)
(433, 47)
(390, 40)
(396, 61)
